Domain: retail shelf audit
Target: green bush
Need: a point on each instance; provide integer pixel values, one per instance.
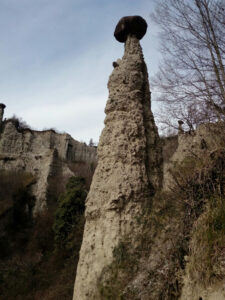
(70, 210)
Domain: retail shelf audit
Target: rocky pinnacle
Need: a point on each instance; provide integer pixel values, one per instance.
(128, 170)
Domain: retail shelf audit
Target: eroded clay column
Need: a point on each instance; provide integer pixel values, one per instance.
(128, 168)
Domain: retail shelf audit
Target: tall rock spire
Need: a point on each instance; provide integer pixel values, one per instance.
(128, 170)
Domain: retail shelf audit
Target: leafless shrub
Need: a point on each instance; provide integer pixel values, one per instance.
(190, 84)
(83, 169)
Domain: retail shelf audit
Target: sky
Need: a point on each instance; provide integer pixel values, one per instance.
(56, 57)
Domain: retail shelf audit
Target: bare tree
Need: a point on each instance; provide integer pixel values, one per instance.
(191, 77)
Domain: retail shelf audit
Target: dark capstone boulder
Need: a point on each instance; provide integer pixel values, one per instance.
(133, 25)
(2, 105)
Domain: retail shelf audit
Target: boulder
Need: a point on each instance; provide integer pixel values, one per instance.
(132, 25)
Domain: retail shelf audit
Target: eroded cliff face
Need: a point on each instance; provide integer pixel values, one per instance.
(194, 179)
(43, 154)
(128, 170)
(205, 139)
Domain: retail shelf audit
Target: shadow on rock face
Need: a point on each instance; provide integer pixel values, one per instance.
(132, 25)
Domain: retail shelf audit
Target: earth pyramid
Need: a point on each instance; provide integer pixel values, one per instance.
(129, 163)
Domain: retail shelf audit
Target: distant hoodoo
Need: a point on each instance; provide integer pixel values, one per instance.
(2, 107)
(132, 25)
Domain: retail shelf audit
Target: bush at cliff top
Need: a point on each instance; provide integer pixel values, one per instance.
(70, 210)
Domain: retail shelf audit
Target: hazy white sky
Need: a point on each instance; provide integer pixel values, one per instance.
(56, 57)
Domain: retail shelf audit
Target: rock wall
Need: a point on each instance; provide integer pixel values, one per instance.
(41, 153)
(128, 170)
(206, 138)
(194, 291)
(204, 142)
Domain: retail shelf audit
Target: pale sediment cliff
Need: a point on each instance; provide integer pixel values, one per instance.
(128, 170)
(206, 138)
(41, 153)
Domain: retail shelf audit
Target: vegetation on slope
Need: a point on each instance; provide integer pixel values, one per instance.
(182, 231)
(39, 261)
(184, 225)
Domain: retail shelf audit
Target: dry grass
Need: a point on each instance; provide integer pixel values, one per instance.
(207, 246)
(83, 169)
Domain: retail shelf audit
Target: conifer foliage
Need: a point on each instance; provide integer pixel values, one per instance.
(70, 210)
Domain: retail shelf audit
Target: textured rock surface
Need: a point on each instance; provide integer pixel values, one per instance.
(40, 153)
(127, 173)
(207, 137)
(132, 25)
(212, 292)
